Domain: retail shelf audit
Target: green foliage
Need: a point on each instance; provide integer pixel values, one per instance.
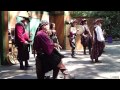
(81, 13)
(111, 20)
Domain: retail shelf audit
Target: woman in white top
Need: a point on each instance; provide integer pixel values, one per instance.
(98, 41)
(72, 36)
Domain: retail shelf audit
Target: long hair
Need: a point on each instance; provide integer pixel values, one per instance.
(51, 25)
(38, 29)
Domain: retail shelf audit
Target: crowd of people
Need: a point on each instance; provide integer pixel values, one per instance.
(95, 42)
(47, 48)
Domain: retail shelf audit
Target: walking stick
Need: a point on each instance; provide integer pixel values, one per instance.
(29, 30)
(29, 37)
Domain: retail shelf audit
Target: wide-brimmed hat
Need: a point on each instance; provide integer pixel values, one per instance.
(73, 21)
(24, 15)
(98, 20)
(83, 20)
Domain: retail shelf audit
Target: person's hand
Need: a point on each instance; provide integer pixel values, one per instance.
(26, 43)
(54, 31)
(29, 40)
(59, 46)
(85, 35)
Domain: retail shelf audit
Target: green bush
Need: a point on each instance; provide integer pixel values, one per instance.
(111, 20)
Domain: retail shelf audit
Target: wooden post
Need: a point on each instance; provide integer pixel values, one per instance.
(57, 17)
(3, 37)
(67, 18)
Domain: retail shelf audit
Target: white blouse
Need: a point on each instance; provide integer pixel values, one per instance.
(99, 32)
(73, 30)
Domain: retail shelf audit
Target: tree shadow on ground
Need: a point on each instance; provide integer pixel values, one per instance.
(7, 71)
(87, 70)
(22, 76)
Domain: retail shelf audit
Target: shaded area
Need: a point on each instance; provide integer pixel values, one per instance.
(80, 67)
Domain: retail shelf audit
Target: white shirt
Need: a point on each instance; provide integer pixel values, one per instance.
(99, 33)
(73, 30)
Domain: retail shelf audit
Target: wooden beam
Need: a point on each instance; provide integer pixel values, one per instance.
(3, 37)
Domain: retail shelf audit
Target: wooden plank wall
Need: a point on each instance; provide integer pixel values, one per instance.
(59, 22)
(3, 37)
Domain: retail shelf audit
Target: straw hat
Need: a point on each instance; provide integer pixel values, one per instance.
(73, 21)
(24, 15)
(84, 19)
(98, 20)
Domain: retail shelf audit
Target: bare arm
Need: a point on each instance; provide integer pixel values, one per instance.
(87, 28)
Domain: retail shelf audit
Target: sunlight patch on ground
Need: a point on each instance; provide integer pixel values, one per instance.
(113, 45)
(73, 67)
(118, 60)
(85, 59)
(4, 71)
(65, 60)
(108, 75)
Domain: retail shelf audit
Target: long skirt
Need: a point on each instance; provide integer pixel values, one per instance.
(97, 49)
(86, 41)
(46, 62)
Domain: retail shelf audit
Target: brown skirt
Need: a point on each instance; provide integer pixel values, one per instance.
(86, 41)
(97, 49)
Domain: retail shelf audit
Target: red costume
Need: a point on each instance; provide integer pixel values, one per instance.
(21, 36)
